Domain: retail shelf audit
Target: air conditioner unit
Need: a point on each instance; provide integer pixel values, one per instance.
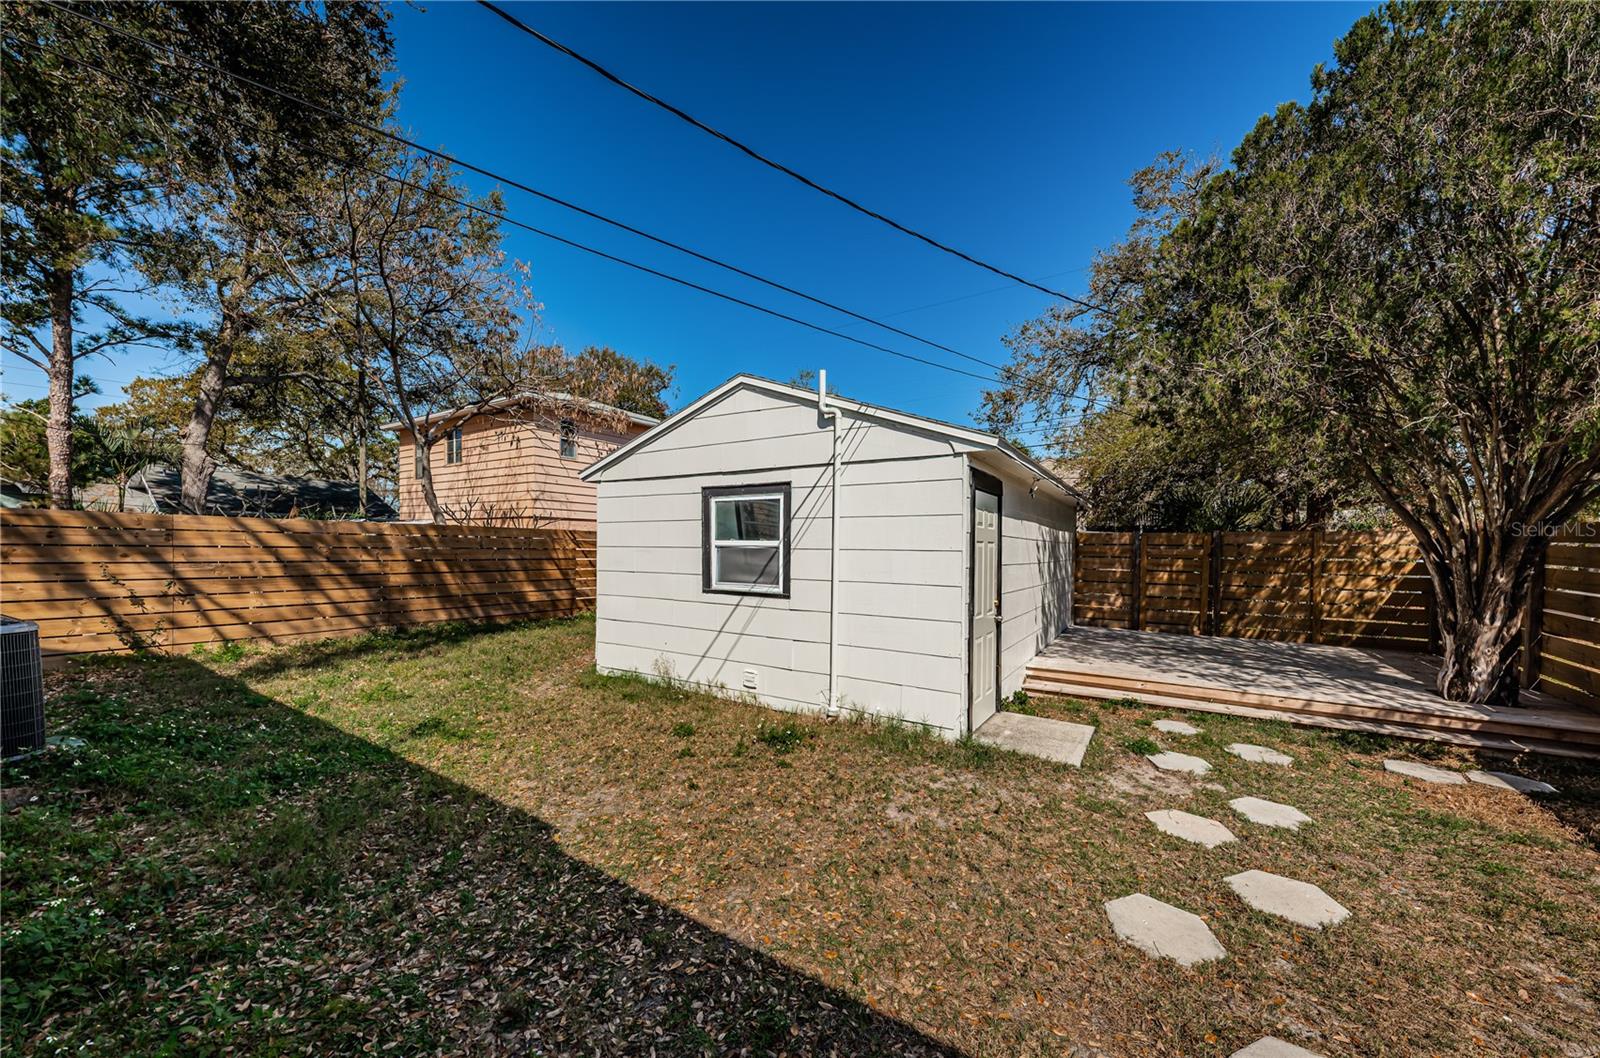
(21, 688)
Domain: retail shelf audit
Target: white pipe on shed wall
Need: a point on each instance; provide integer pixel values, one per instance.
(832, 414)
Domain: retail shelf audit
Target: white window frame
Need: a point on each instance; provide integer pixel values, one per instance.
(711, 581)
(567, 439)
(452, 446)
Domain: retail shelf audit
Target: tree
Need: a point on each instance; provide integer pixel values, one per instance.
(632, 385)
(1147, 446)
(127, 447)
(293, 408)
(102, 123)
(1406, 265)
(444, 327)
(75, 158)
(247, 237)
(25, 453)
(1137, 471)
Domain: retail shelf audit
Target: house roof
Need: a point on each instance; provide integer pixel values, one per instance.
(467, 411)
(905, 420)
(14, 496)
(240, 493)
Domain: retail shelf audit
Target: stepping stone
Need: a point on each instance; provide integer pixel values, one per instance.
(1426, 772)
(1269, 813)
(1175, 727)
(1170, 761)
(1260, 754)
(1037, 736)
(1504, 780)
(1190, 827)
(1299, 902)
(1272, 1047)
(1162, 930)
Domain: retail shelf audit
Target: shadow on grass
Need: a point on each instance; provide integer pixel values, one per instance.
(1576, 803)
(213, 869)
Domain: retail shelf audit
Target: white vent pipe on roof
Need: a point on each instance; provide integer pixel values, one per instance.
(831, 413)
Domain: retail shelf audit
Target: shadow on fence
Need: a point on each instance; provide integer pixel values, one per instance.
(97, 582)
(1361, 589)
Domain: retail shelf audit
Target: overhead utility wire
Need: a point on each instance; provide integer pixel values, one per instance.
(546, 196)
(505, 218)
(764, 160)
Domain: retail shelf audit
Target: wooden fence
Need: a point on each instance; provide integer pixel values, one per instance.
(1562, 642)
(1365, 589)
(115, 582)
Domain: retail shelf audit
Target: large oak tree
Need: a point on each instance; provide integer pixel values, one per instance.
(1409, 267)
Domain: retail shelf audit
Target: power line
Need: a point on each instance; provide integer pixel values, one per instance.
(519, 185)
(505, 218)
(764, 160)
(967, 297)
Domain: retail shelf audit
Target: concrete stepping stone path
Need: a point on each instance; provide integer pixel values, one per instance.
(1190, 827)
(1272, 1047)
(1260, 754)
(1170, 761)
(1175, 727)
(1269, 813)
(1300, 902)
(1426, 772)
(1504, 780)
(1162, 930)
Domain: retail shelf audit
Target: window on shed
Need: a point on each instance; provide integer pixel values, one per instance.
(569, 439)
(452, 446)
(745, 539)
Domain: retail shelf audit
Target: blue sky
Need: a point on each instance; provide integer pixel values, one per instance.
(1006, 130)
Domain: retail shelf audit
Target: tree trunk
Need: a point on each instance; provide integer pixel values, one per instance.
(361, 437)
(424, 449)
(196, 464)
(1483, 597)
(58, 423)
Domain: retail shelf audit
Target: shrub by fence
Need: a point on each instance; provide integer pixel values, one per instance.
(1366, 589)
(115, 582)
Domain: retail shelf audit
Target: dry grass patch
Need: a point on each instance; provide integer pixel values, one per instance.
(546, 858)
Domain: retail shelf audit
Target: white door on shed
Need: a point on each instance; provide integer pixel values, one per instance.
(985, 605)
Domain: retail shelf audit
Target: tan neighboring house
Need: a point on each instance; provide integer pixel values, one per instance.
(517, 462)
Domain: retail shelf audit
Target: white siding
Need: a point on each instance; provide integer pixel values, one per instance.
(1035, 572)
(902, 630)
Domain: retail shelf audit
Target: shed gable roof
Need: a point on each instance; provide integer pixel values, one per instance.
(887, 416)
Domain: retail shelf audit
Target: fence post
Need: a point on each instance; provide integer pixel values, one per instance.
(1533, 622)
(1316, 613)
(1214, 584)
(1136, 599)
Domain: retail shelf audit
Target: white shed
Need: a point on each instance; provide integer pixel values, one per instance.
(717, 564)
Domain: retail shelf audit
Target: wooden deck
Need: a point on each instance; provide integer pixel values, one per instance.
(1380, 691)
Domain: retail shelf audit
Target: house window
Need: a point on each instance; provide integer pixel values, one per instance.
(744, 533)
(569, 439)
(452, 446)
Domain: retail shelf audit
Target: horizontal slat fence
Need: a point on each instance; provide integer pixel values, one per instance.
(1346, 588)
(1567, 638)
(113, 582)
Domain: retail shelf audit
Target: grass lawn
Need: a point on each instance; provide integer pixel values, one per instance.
(467, 842)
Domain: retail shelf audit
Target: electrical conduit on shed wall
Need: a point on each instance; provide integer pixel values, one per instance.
(832, 414)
